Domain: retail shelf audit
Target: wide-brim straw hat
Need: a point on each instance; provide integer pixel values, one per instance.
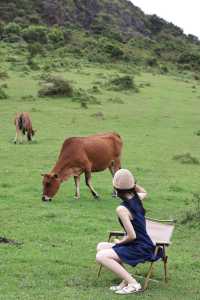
(123, 180)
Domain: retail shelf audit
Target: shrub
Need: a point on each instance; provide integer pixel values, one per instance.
(35, 33)
(83, 96)
(3, 94)
(187, 158)
(56, 86)
(123, 83)
(193, 214)
(34, 49)
(152, 62)
(12, 28)
(114, 51)
(56, 35)
(3, 75)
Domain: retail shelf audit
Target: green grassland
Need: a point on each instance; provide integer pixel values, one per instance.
(57, 257)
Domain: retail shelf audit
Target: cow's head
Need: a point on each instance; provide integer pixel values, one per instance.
(51, 183)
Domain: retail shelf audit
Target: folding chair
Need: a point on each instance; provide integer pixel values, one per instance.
(160, 232)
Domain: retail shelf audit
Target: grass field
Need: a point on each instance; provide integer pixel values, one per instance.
(57, 257)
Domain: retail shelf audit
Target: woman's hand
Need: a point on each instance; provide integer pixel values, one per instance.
(116, 241)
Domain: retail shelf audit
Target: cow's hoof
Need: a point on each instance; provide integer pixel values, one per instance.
(114, 194)
(77, 197)
(97, 197)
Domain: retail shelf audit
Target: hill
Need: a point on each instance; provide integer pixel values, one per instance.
(120, 16)
(101, 31)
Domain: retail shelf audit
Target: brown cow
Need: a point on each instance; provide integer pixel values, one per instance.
(83, 155)
(23, 126)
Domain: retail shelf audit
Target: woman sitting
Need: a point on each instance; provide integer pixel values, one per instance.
(136, 246)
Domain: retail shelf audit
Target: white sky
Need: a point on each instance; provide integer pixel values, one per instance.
(183, 13)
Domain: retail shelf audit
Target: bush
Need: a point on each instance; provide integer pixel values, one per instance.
(12, 28)
(3, 75)
(114, 51)
(152, 62)
(3, 94)
(35, 33)
(34, 49)
(193, 214)
(56, 35)
(123, 83)
(56, 86)
(187, 158)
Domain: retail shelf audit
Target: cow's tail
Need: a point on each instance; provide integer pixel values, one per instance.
(21, 124)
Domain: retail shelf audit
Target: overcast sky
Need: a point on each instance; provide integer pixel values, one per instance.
(183, 13)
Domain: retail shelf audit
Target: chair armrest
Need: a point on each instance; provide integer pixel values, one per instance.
(161, 221)
(116, 233)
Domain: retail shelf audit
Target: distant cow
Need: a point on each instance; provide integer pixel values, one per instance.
(83, 155)
(23, 126)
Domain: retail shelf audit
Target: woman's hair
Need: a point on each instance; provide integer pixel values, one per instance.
(122, 193)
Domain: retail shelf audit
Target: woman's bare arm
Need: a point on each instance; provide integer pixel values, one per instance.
(125, 217)
(140, 191)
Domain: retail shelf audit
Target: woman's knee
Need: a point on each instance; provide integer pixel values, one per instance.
(99, 257)
(105, 254)
(104, 245)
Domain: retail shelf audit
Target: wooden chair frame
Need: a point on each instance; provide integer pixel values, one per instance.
(159, 244)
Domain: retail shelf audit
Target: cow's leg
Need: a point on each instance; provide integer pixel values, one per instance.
(77, 185)
(88, 181)
(21, 137)
(16, 135)
(114, 167)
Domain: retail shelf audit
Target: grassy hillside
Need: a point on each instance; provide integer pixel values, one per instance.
(100, 31)
(160, 128)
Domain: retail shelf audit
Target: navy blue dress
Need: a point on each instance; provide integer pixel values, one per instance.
(142, 248)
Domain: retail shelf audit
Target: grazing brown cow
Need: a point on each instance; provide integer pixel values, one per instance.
(83, 155)
(23, 126)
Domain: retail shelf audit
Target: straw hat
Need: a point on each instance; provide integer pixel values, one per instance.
(123, 180)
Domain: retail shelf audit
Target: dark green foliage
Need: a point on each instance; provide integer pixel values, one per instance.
(113, 50)
(56, 86)
(84, 97)
(192, 215)
(3, 75)
(101, 32)
(123, 83)
(12, 28)
(189, 58)
(35, 33)
(3, 94)
(34, 49)
(56, 35)
(152, 62)
(187, 158)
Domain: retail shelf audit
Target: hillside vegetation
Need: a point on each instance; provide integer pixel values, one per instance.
(101, 31)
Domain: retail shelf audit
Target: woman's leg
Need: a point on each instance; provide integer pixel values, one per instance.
(104, 245)
(109, 259)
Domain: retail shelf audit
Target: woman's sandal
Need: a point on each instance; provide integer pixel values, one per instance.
(115, 288)
(130, 289)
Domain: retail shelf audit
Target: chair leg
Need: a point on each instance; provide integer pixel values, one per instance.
(150, 271)
(100, 267)
(165, 267)
(148, 277)
(165, 258)
(99, 272)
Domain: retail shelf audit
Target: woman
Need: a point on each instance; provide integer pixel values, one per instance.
(136, 246)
